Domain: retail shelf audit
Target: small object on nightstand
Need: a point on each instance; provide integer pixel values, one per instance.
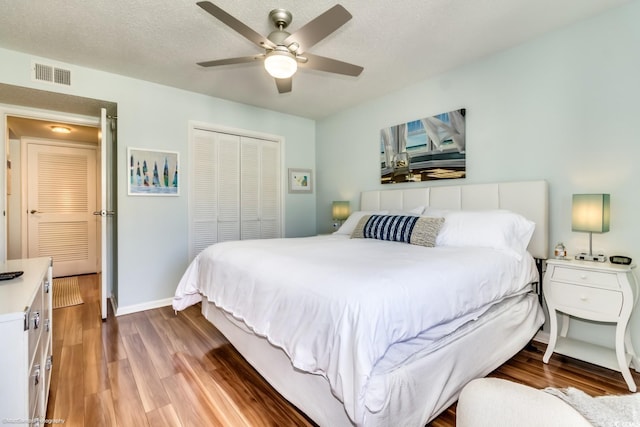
(560, 251)
(619, 259)
(597, 292)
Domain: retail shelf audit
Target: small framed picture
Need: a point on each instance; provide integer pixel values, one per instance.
(152, 172)
(300, 181)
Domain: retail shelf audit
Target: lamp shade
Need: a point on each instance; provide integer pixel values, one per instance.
(340, 210)
(590, 213)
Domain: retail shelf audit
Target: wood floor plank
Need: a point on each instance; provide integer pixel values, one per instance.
(73, 327)
(69, 399)
(165, 416)
(150, 389)
(99, 410)
(254, 397)
(214, 395)
(159, 357)
(189, 405)
(124, 391)
(112, 340)
(96, 378)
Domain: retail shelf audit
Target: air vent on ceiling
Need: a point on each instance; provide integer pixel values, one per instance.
(50, 74)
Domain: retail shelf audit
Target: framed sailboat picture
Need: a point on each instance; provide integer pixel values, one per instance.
(152, 172)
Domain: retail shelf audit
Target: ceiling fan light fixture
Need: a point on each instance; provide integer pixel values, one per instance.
(280, 63)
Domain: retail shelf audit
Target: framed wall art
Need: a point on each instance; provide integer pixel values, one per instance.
(153, 172)
(300, 181)
(427, 149)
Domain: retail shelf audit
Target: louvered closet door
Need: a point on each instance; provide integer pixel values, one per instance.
(250, 188)
(270, 190)
(260, 188)
(214, 187)
(234, 189)
(61, 201)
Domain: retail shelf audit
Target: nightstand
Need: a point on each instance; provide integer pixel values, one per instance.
(600, 292)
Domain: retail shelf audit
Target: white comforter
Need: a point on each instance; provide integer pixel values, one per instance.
(336, 305)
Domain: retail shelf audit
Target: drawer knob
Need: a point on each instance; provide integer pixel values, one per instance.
(584, 298)
(583, 276)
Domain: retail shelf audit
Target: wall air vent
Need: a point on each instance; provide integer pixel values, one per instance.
(62, 76)
(50, 74)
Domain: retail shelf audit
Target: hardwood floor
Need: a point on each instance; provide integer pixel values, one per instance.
(158, 369)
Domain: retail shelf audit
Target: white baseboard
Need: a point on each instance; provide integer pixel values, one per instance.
(142, 307)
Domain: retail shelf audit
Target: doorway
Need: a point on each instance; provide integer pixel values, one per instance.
(33, 104)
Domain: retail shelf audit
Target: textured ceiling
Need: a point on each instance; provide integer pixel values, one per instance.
(397, 42)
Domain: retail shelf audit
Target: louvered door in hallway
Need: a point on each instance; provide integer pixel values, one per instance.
(61, 199)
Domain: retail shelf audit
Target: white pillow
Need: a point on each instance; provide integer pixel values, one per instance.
(411, 212)
(349, 225)
(498, 229)
(435, 212)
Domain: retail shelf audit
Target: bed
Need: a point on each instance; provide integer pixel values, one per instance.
(377, 332)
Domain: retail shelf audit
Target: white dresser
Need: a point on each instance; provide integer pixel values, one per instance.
(600, 292)
(26, 336)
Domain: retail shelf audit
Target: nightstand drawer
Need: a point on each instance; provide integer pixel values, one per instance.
(586, 277)
(584, 301)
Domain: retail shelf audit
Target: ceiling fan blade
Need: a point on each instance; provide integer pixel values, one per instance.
(329, 65)
(236, 24)
(284, 85)
(319, 28)
(230, 61)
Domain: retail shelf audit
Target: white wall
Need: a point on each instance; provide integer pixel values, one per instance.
(563, 108)
(152, 231)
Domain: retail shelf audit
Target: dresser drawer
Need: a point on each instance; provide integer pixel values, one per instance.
(586, 277)
(585, 301)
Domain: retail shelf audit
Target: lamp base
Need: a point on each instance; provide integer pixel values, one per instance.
(589, 257)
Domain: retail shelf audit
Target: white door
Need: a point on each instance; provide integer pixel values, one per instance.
(61, 199)
(105, 213)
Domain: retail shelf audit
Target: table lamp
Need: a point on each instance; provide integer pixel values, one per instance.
(340, 211)
(591, 214)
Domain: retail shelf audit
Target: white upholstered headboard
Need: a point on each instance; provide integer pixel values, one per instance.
(528, 198)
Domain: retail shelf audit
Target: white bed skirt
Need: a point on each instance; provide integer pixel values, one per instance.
(420, 389)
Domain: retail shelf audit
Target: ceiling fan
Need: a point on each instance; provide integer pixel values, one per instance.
(284, 52)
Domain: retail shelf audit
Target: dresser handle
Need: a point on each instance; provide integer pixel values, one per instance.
(583, 276)
(46, 325)
(49, 363)
(46, 287)
(583, 298)
(36, 320)
(36, 375)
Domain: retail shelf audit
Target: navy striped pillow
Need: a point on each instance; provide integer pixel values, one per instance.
(396, 228)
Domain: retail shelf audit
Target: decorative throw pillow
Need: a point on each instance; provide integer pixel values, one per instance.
(399, 228)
